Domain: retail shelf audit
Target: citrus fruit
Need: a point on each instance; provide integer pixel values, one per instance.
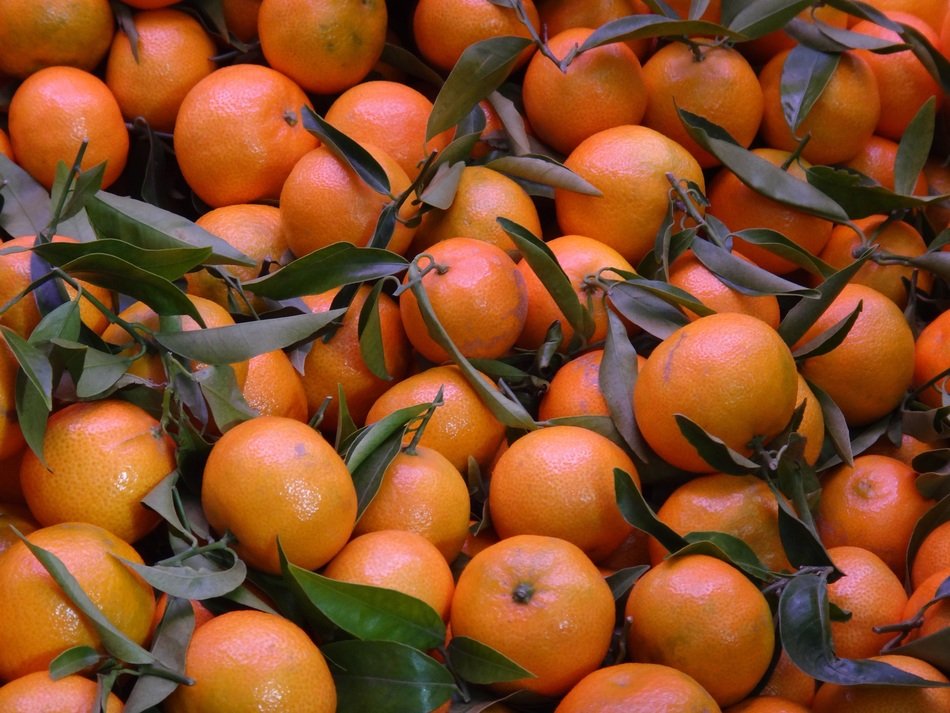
(872, 593)
(869, 372)
(11, 437)
(239, 132)
(575, 389)
(762, 49)
(933, 12)
(174, 53)
(873, 504)
(483, 195)
(767, 704)
(600, 88)
(324, 201)
(37, 692)
(240, 16)
(741, 207)
(100, 459)
(627, 164)
(877, 159)
(326, 46)
(273, 477)
(274, 387)
(840, 121)
(701, 616)
(931, 358)
(739, 505)
(637, 688)
(528, 589)
(396, 559)
(812, 427)
(338, 362)
(14, 515)
(882, 698)
(559, 481)
(244, 661)
(421, 492)
(462, 427)
(72, 106)
(560, 15)
(582, 259)
(477, 295)
(443, 29)
(390, 115)
(75, 33)
(933, 554)
(749, 387)
(713, 81)
(789, 682)
(688, 273)
(38, 621)
(936, 616)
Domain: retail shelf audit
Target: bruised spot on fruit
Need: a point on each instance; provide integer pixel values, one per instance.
(300, 450)
(668, 364)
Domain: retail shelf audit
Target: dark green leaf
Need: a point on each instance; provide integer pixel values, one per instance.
(100, 372)
(637, 512)
(32, 413)
(796, 527)
(914, 148)
(346, 149)
(635, 27)
(372, 613)
(805, 74)
(929, 56)
(239, 342)
(934, 648)
(803, 616)
(744, 276)
(114, 641)
(325, 269)
(169, 646)
(759, 17)
(622, 580)
(117, 274)
(386, 677)
(480, 70)
(170, 263)
(193, 583)
(829, 339)
(223, 396)
(803, 315)
(86, 185)
(26, 205)
(617, 376)
(373, 437)
(827, 38)
(440, 191)
(34, 364)
(778, 244)
(72, 661)
(513, 123)
(937, 262)
(368, 474)
(545, 265)
(370, 333)
(712, 449)
(543, 170)
(760, 175)
(649, 312)
(836, 428)
(479, 663)
(728, 548)
(150, 227)
(858, 195)
(62, 323)
(405, 60)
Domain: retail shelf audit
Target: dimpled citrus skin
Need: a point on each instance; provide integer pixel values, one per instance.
(38, 693)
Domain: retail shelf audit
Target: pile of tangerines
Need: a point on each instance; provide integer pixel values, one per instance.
(474, 355)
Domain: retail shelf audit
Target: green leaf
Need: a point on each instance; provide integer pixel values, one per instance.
(914, 147)
(543, 170)
(637, 512)
(371, 438)
(797, 532)
(480, 70)
(712, 449)
(386, 677)
(34, 364)
(114, 641)
(617, 376)
(87, 183)
(26, 206)
(441, 188)
(72, 661)
(223, 396)
(372, 613)
(369, 329)
(62, 323)
(100, 372)
(621, 581)
(325, 269)
(187, 582)
(805, 74)
(114, 273)
(803, 315)
(727, 548)
(859, 195)
(803, 616)
(635, 27)
(405, 60)
(744, 276)
(32, 413)
(368, 473)
(831, 338)
(836, 428)
(544, 264)
(929, 56)
(649, 312)
(169, 263)
(239, 342)
(757, 173)
(778, 244)
(346, 149)
(154, 228)
(479, 663)
(759, 17)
